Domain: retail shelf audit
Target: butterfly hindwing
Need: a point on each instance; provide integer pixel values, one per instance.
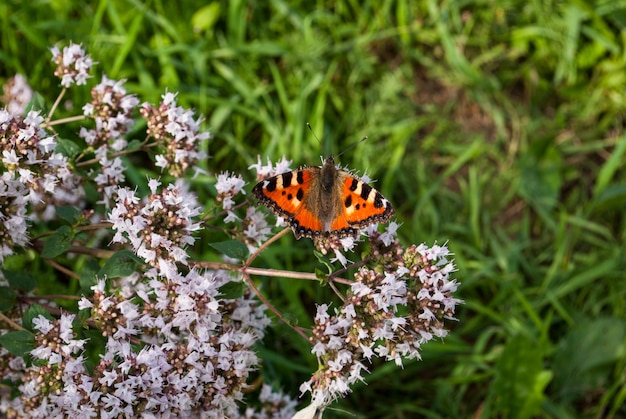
(306, 224)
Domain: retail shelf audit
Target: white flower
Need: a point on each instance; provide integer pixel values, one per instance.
(65, 326)
(10, 157)
(19, 94)
(268, 170)
(258, 228)
(73, 65)
(84, 303)
(389, 235)
(229, 184)
(42, 324)
(322, 313)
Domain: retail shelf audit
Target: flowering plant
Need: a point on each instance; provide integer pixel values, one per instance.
(155, 333)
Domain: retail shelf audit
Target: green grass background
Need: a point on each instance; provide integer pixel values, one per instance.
(495, 126)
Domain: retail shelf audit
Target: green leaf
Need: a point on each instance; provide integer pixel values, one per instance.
(36, 103)
(322, 277)
(232, 290)
(121, 264)
(540, 179)
(67, 148)
(520, 379)
(89, 277)
(611, 198)
(205, 18)
(323, 259)
(20, 280)
(133, 145)
(586, 357)
(291, 319)
(231, 248)
(19, 343)
(34, 311)
(614, 163)
(7, 298)
(69, 214)
(59, 242)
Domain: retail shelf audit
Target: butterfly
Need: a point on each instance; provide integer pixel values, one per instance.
(323, 201)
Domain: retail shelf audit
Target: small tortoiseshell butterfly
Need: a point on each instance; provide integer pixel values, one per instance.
(324, 200)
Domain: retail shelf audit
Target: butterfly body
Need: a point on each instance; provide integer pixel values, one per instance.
(323, 201)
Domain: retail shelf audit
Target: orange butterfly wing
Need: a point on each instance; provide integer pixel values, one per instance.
(362, 205)
(285, 196)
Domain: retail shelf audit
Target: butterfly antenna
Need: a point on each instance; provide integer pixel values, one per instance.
(313, 132)
(338, 155)
(316, 137)
(352, 146)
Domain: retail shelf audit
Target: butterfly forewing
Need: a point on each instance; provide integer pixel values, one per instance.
(284, 193)
(364, 205)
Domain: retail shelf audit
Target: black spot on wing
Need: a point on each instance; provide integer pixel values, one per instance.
(354, 184)
(271, 184)
(379, 201)
(287, 179)
(365, 190)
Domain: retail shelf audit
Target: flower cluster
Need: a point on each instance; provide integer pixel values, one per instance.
(111, 108)
(17, 94)
(275, 405)
(165, 338)
(160, 227)
(387, 314)
(73, 65)
(177, 134)
(228, 186)
(269, 170)
(108, 176)
(59, 379)
(13, 229)
(29, 156)
(253, 229)
(196, 354)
